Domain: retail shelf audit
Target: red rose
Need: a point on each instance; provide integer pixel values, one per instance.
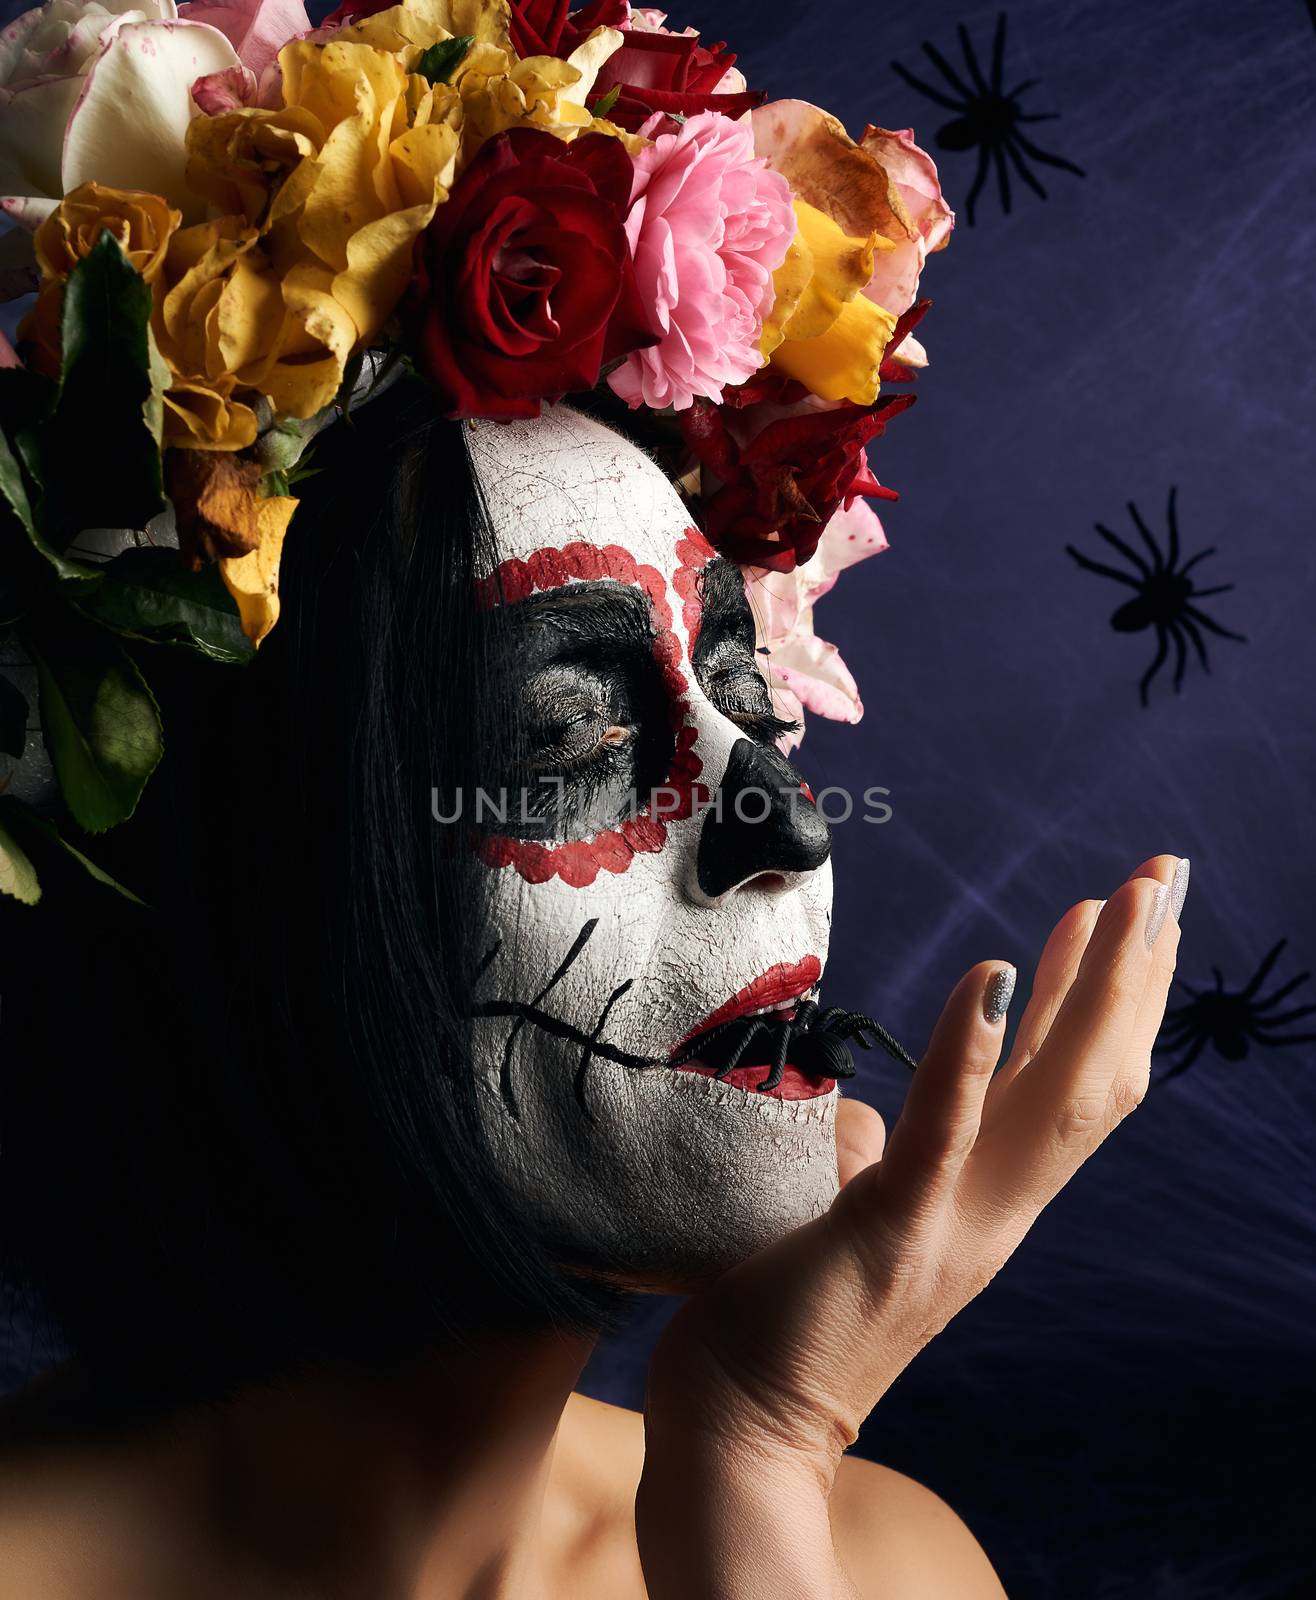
(669, 72)
(523, 283)
(782, 480)
(543, 27)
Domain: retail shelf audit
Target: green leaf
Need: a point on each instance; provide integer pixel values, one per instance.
(150, 594)
(100, 721)
(441, 59)
(18, 877)
(14, 492)
(25, 817)
(603, 106)
(13, 720)
(100, 449)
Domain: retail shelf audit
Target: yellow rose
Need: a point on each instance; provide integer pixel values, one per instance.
(847, 202)
(142, 223)
(337, 185)
(822, 329)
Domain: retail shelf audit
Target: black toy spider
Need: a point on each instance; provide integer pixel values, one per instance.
(1165, 593)
(988, 118)
(1231, 1020)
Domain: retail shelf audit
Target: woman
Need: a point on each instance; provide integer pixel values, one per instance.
(334, 1164)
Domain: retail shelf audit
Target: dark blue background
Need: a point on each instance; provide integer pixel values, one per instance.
(1128, 1410)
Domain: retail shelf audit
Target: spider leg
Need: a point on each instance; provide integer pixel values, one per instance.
(1124, 547)
(1158, 559)
(1206, 622)
(774, 1077)
(1190, 628)
(1220, 588)
(1180, 653)
(1281, 994)
(1099, 566)
(1263, 971)
(1047, 159)
(948, 72)
(979, 178)
(733, 1060)
(1038, 116)
(998, 53)
(1183, 1064)
(971, 61)
(1283, 1018)
(1021, 88)
(1022, 169)
(1288, 1038)
(1002, 178)
(922, 88)
(1200, 556)
(1162, 649)
(1172, 523)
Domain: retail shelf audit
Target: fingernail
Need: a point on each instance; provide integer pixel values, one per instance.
(1156, 920)
(1179, 887)
(996, 995)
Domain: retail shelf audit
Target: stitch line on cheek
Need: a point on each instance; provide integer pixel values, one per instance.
(577, 862)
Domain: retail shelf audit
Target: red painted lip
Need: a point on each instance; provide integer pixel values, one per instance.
(788, 980)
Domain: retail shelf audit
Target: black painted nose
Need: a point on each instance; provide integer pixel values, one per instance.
(760, 821)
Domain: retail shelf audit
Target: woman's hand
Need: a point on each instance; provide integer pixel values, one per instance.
(761, 1382)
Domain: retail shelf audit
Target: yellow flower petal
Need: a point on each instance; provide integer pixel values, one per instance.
(253, 579)
(844, 362)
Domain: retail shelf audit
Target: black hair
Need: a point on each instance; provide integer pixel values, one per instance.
(239, 1130)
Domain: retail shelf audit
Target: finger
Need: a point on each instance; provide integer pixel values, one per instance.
(1055, 1114)
(1056, 970)
(1151, 1012)
(860, 1138)
(939, 1122)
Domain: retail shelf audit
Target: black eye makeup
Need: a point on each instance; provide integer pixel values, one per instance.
(593, 727)
(725, 660)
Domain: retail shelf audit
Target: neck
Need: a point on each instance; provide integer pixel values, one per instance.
(429, 1485)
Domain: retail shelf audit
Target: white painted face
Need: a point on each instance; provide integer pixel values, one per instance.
(617, 935)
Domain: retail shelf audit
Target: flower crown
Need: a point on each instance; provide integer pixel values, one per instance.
(239, 225)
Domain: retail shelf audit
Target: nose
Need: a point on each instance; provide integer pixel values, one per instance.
(761, 822)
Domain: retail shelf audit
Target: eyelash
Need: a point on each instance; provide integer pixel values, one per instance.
(764, 726)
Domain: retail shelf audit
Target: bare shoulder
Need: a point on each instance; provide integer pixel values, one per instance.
(896, 1538)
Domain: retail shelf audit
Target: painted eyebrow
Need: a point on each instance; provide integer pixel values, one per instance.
(596, 612)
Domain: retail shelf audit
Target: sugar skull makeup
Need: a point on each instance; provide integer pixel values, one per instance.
(627, 914)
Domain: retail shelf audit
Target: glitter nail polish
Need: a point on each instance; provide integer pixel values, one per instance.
(1156, 917)
(1179, 887)
(996, 995)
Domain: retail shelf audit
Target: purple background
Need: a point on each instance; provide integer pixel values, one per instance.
(1127, 1410)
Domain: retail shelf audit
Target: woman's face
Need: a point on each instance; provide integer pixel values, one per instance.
(627, 913)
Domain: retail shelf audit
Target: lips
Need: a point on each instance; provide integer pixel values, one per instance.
(774, 989)
(788, 980)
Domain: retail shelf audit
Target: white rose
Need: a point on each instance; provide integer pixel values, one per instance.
(100, 89)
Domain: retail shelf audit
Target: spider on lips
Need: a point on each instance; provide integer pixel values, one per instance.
(814, 1040)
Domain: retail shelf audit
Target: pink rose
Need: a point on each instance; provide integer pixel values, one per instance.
(807, 672)
(708, 225)
(257, 29)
